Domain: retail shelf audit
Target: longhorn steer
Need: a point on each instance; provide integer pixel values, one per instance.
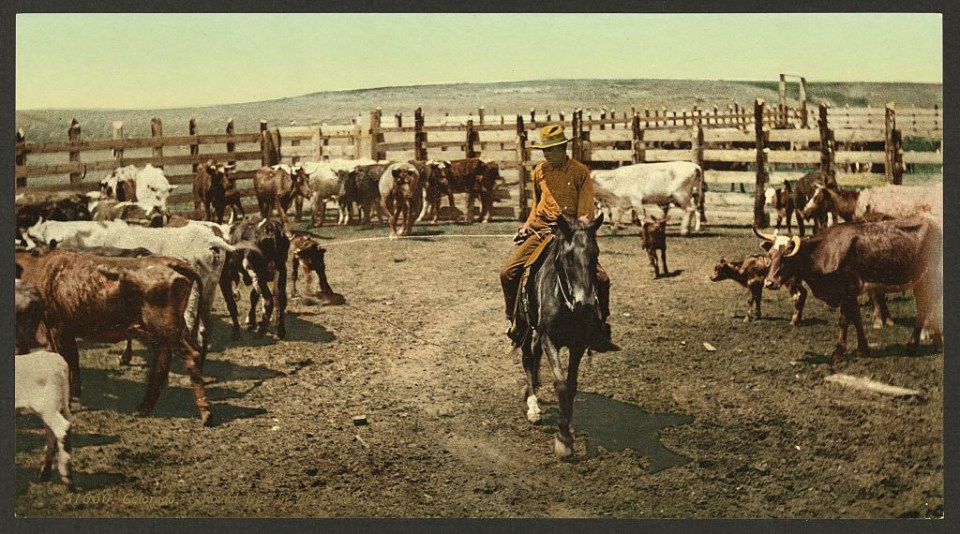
(750, 273)
(105, 299)
(632, 186)
(847, 259)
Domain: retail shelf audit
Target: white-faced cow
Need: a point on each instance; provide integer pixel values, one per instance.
(662, 184)
(846, 259)
(106, 299)
(400, 185)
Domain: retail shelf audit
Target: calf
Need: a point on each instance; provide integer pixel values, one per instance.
(213, 188)
(276, 189)
(258, 266)
(28, 317)
(309, 256)
(362, 186)
(805, 187)
(42, 388)
(400, 185)
(654, 236)
(105, 299)
(750, 274)
(782, 201)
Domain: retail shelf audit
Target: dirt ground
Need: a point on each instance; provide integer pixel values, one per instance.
(750, 430)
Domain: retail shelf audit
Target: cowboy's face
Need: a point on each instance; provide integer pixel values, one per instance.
(555, 155)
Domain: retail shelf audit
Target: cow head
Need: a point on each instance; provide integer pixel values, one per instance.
(301, 183)
(819, 200)
(781, 249)
(405, 178)
(153, 189)
(653, 231)
(722, 270)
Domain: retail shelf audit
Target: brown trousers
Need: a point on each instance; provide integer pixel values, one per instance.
(512, 270)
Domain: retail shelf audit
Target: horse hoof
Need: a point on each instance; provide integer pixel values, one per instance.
(206, 418)
(533, 410)
(561, 449)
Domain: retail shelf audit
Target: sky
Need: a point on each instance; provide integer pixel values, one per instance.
(163, 60)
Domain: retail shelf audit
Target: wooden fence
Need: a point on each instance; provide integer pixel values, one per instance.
(724, 142)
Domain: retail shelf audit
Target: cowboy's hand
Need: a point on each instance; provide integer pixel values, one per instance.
(522, 234)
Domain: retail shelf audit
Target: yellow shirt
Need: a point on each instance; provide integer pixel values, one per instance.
(567, 190)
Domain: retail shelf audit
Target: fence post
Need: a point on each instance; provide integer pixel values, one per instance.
(194, 147)
(804, 122)
(533, 118)
(826, 143)
(480, 113)
(398, 117)
(781, 120)
(156, 131)
(603, 116)
(575, 134)
(639, 147)
(376, 135)
(522, 168)
(759, 219)
(890, 124)
(264, 143)
(419, 136)
(898, 166)
(73, 135)
(21, 157)
(117, 136)
(230, 146)
(472, 137)
(357, 138)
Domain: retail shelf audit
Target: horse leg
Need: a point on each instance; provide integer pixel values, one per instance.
(566, 404)
(532, 355)
(563, 441)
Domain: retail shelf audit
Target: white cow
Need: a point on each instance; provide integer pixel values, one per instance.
(343, 168)
(194, 243)
(325, 183)
(153, 189)
(42, 388)
(663, 184)
(148, 187)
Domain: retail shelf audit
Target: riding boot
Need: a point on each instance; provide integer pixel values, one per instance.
(603, 341)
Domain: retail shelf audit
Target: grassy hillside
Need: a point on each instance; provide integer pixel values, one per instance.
(507, 98)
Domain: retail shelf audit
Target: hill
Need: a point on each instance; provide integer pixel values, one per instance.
(509, 98)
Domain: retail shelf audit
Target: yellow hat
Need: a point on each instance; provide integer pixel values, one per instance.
(551, 135)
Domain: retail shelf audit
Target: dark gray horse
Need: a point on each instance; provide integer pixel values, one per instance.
(562, 310)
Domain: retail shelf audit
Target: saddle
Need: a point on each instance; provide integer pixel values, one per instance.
(525, 308)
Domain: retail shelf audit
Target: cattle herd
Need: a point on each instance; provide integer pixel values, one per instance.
(116, 263)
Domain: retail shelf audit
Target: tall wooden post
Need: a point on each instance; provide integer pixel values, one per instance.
(73, 136)
(697, 153)
(21, 157)
(264, 144)
(230, 146)
(472, 138)
(118, 136)
(890, 124)
(576, 128)
(156, 131)
(826, 143)
(898, 165)
(759, 221)
(603, 116)
(781, 121)
(376, 135)
(804, 119)
(398, 117)
(481, 112)
(522, 160)
(533, 118)
(419, 136)
(639, 147)
(194, 147)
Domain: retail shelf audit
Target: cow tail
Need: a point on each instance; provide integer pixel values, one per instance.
(191, 275)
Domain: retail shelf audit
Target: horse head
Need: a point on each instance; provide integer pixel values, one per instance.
(576, 262)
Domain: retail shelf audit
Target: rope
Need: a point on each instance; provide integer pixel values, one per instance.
(417, 237)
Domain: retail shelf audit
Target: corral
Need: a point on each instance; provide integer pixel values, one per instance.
(405, 402)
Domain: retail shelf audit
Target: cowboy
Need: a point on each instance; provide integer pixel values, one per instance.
(562, 188)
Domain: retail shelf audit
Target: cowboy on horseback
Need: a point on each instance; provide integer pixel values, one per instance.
(562, 188)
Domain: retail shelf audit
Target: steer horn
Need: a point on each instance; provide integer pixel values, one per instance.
(765, 237)
(796, 246)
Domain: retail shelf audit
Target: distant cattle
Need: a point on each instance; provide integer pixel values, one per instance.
(662, 184)
(215, 190)
(362, 186)
(399, 187)
(121, 184)
(276, 189)
(148, 187)
(846, 259)
(105, 299)
(802, 190)
(653, 233)
(890, 201)
(781, 199)
(472, 176)
(131, 212)
(324, 182)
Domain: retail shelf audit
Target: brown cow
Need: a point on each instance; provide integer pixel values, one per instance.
(215, 190)
(783, 203)
(105, 299)
(276, 188)
(28, 318)
(400, 186)
(474, 177)
(846, 259)
(653, 232)
(750, 274)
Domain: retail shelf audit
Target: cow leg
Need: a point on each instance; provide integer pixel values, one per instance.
(220, 207)
(471, 199)
(849, 312)
(926, 301)
(298, 202)
(190, 355)
(393, 218)
(252, 314)
(563, 441)
(293, 275)
(226, 289)
(755, 296)
(46, 459)
(280, 294)
(158, 378)
(881, 314)
(486, 206)
(798, 295)
(663, 256)
(407, 216)
(282, 213)
(652, 256)
(532, 355)
(66, 345)
(127, 353)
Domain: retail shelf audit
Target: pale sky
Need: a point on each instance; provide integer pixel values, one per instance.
(180, 60)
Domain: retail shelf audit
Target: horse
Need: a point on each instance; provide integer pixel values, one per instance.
(562, 312)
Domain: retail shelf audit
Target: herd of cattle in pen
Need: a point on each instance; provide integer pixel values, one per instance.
(116, 263)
